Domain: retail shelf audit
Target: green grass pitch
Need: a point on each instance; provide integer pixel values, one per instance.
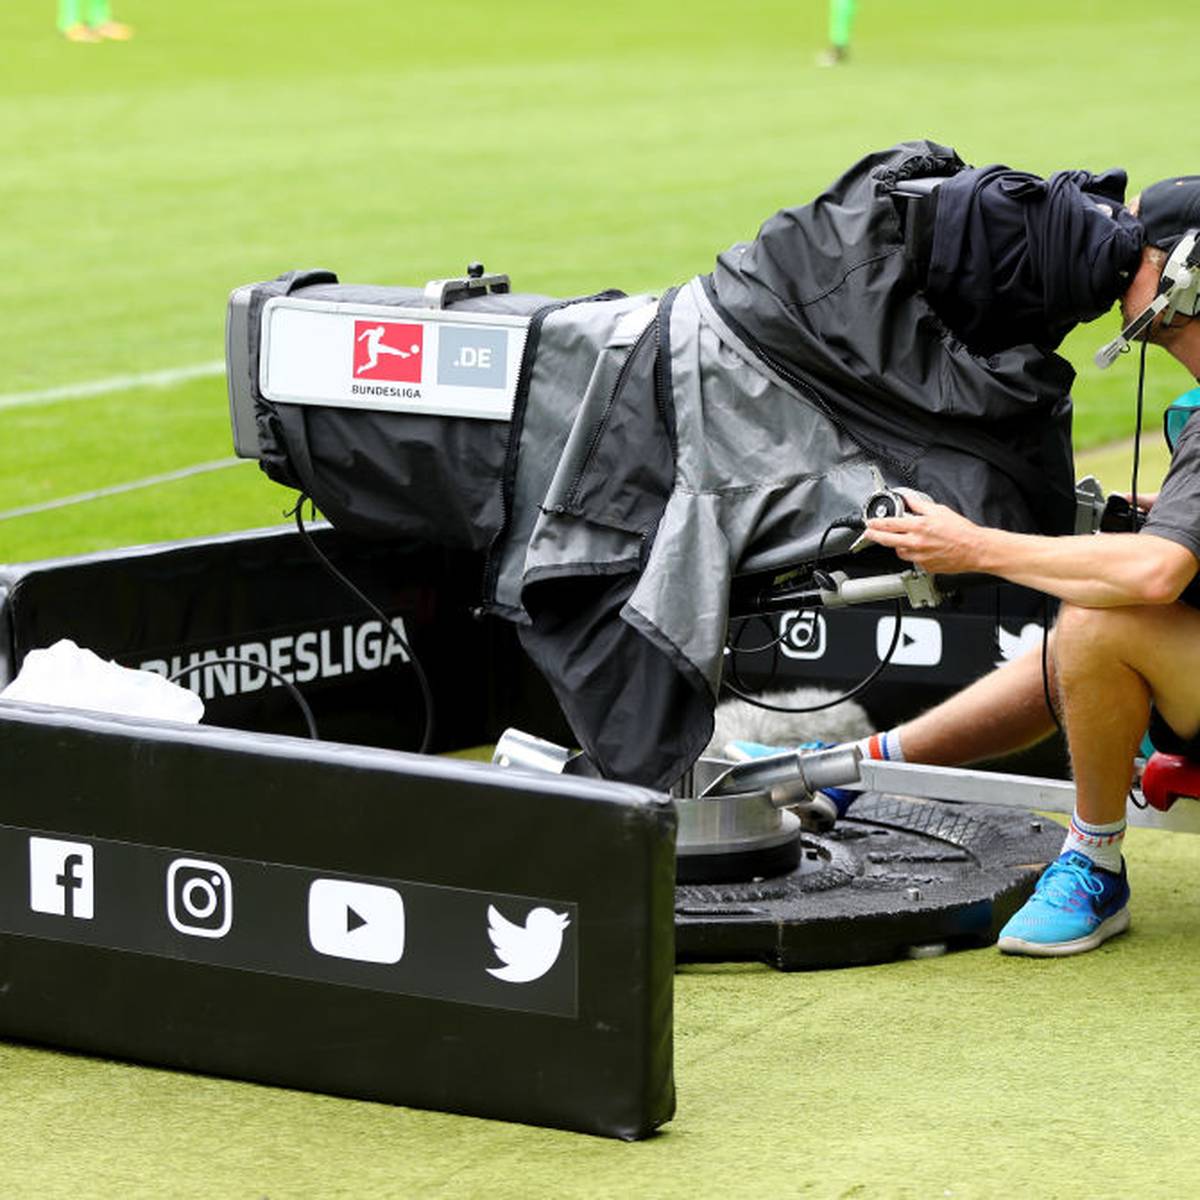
(577, 146)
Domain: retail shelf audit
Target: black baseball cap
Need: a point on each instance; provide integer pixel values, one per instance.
(1169, 209)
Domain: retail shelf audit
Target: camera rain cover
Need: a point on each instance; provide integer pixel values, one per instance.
(654, 445)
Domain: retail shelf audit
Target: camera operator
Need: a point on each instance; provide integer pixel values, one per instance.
(1125, 651)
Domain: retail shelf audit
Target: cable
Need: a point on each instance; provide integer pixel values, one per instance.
(406, 649)
(854, 522)
(857, 690)
(735, 647)
(822, 580)
(1137, 436)
(1133, 483)
(250, 662)
(1133, 499)
(819, 577)
(1062, 733)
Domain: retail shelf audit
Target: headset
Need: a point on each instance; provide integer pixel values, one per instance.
(1178, 293)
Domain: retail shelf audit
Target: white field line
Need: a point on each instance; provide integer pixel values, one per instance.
(116, 383)
(118, 489)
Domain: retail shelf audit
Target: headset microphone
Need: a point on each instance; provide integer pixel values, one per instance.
(1178, 292)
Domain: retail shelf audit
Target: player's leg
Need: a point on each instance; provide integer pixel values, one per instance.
(100, 19)
(71, 23)
(1000, 713)
(841, 24)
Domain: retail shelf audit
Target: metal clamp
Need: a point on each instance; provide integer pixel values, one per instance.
(1090, 503)
(788, 777)
(918, 587)
(440, 293)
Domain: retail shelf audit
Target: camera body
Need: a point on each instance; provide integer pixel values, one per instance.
(450, 349)
(1119, 516)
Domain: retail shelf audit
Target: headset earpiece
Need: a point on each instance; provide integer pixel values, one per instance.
(1181, 278)
(1178, 293)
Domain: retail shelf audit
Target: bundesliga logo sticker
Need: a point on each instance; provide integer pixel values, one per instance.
(387, 350)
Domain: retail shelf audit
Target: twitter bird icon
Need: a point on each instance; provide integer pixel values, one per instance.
(527, 951)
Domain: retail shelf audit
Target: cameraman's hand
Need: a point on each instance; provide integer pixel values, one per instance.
(931, 535)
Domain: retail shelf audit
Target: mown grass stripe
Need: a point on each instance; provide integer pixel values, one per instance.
(116, 383)
(118, 489)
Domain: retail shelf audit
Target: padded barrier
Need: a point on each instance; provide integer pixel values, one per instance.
(587, 1046)
(317, 916)
(261, 594)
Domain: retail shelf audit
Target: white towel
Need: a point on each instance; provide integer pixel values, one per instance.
(70, 677)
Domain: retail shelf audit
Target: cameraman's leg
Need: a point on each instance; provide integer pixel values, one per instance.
(1000, 713)
(1111, 664)
(1003, 712)
(1104, 661)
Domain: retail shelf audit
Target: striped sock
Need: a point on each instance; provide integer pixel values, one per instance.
(882, 746)
(1100, 843)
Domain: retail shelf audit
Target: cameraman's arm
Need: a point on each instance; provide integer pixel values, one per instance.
(1094, 570)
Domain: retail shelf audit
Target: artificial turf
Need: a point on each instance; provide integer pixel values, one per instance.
(577, 147)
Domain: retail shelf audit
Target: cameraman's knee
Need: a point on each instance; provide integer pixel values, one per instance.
(1123, 634)
(1102, 634)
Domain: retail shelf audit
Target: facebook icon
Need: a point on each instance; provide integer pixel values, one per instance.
(60, 878)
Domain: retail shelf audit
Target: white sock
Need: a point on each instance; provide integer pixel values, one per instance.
(883, 746)
(1100, 843)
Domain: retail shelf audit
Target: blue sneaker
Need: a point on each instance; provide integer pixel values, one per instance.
(1075, 906)
(840, 798)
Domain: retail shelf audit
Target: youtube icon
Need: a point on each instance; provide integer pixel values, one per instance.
(360, 921)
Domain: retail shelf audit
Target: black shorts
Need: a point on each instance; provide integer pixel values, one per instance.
(1168, 741)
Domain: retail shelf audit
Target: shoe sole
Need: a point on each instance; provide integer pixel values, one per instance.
(1117, 923)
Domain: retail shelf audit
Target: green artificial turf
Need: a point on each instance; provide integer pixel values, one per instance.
(577, 146)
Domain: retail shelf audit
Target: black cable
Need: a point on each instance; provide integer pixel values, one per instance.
(1137, 436)
(729, 658)
(1046, 667)
(251, 662)
(854, 522)
(406, 649)
(1133, 499)
(857, 690)
(735, 647)
(818, 577)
